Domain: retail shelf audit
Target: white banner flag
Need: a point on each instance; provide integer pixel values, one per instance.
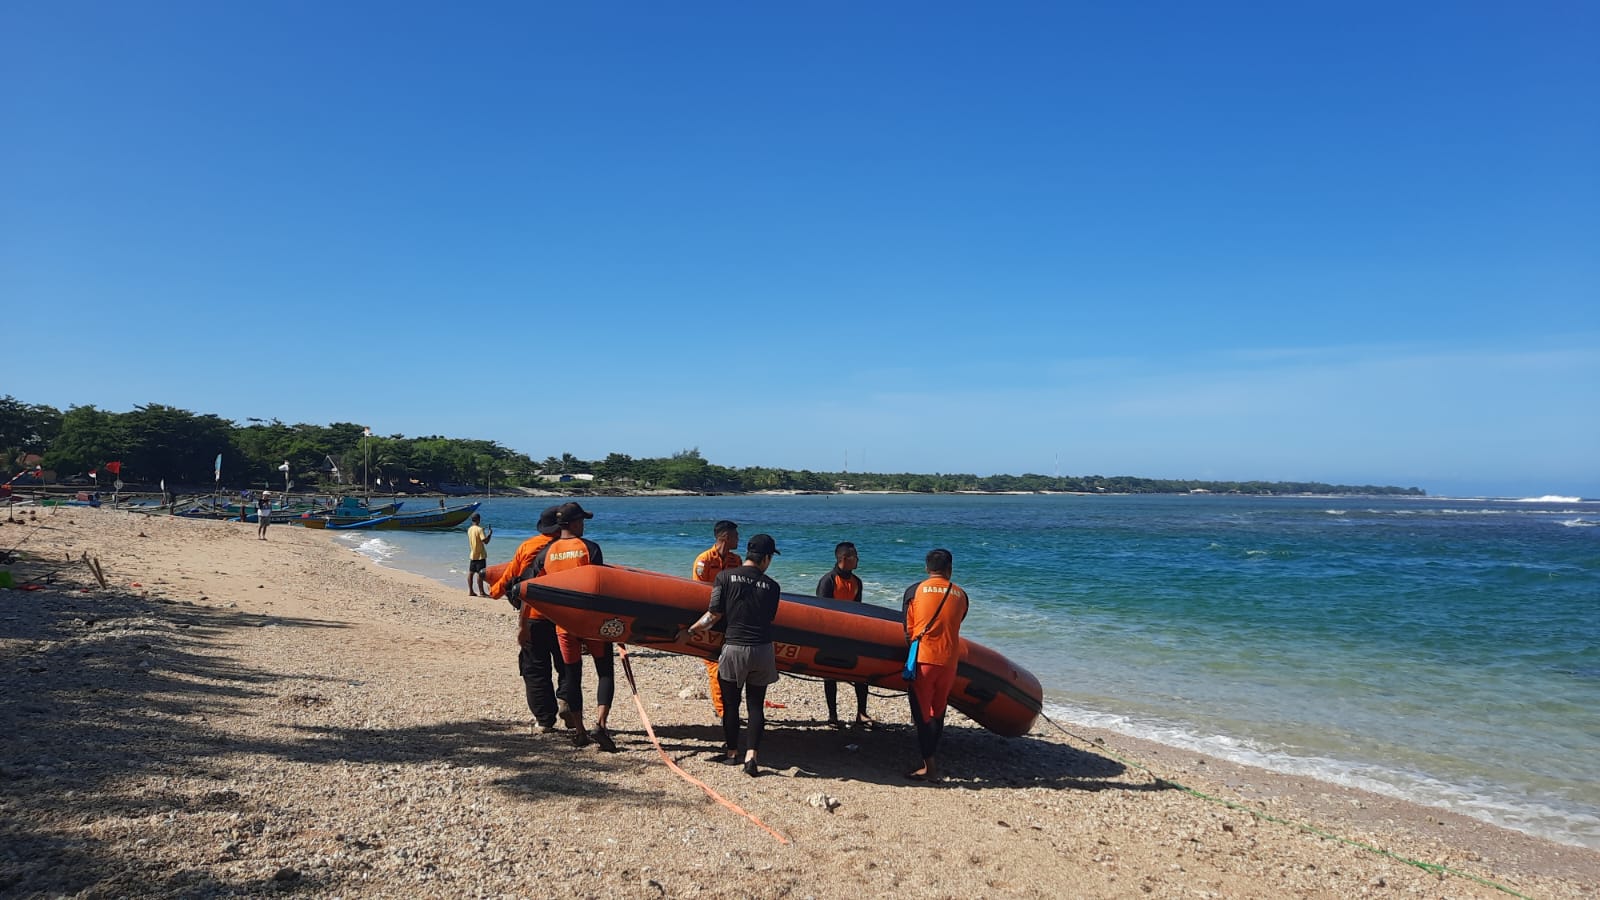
(284, 467)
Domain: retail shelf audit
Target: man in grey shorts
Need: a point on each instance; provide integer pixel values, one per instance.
(746, 601)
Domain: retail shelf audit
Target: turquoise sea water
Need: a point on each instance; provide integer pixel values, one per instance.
(1445, 651)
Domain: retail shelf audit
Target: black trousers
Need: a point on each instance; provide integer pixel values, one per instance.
(536, 662)
(755, 706)
(830, 693)
(928, 733)
(569, 685)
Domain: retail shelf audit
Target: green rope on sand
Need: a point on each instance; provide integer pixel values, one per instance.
(1434, 868)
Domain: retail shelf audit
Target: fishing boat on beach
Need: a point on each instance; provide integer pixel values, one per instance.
(348, 511)
(815, 636)
(441, 519)
(280, 515)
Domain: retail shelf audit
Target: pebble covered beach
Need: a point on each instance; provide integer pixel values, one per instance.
(234, 717)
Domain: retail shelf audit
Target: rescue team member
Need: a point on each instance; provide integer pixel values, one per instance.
(477, 555)
(721, 556)
(536, 636)
(746, 600)
(842, 583)
(934, 608)
(570, 551)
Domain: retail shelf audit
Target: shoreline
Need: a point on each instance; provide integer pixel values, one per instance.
(1381, 778)
(254, 715)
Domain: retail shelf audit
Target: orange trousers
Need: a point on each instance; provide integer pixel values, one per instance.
(716, 687)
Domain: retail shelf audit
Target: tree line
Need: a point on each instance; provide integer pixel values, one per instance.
(157, 442)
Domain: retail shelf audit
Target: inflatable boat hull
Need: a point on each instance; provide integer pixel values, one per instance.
(835, 639)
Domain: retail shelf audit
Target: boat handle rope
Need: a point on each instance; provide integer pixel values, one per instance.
(633, 688)
(1434, 868)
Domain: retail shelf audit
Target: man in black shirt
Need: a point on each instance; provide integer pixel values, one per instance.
(747, 601)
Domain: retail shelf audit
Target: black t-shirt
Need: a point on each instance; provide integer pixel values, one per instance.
(747, 600)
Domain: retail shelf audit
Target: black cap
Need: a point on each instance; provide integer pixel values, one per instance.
(571, 512)
(547, 520)
(761, 545)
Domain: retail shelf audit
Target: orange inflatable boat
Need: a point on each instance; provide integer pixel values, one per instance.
(835, 639)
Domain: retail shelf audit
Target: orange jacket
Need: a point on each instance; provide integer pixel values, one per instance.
(709, 563)
(520, 561)
(941, 634)
(569, 553)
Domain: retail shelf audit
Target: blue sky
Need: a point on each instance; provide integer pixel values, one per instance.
(1348, 242)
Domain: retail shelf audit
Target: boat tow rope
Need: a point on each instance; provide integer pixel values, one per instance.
(1434, 868)
(633, 688)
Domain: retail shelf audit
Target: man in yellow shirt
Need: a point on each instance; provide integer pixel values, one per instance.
(721, 556)
(478, 556)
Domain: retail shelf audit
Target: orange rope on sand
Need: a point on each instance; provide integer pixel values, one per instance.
(627, 669)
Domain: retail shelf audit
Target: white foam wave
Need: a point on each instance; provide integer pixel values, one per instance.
(1489, 803)
(1336, 512)
(1580, 523)
(374, 548)
(1548, 498)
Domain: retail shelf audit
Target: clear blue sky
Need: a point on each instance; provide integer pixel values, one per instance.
(1352, 242)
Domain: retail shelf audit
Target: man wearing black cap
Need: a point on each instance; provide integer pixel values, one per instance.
(748, 601)
(569, 551)
(536, 635)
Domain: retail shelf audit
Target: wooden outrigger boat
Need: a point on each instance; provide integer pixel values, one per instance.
(348, 511)
(835, 639)
(437, 519)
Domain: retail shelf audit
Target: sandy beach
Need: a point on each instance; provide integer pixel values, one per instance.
(231, 716)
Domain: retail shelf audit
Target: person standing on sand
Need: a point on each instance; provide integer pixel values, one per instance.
(478, 555)
(934, 608)
(537, 649)
(747, 601)
(842, 583)
(722, 555)
(263, 514)
(570, 551)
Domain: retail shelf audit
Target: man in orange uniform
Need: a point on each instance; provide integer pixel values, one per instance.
(536, 635)
(935, 608)
(842, 583)
(570, 551)
(721, 556)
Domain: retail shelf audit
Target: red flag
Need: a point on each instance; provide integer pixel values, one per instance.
(114, 468)
(94, 473)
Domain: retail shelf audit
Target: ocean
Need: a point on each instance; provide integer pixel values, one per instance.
(1443, 651)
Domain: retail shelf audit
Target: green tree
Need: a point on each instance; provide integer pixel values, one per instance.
(89, 438)
(25, 428)
(164, 442)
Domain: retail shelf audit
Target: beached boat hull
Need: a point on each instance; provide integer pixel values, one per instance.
(439, 519)
(814, 636)
(337, 518)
